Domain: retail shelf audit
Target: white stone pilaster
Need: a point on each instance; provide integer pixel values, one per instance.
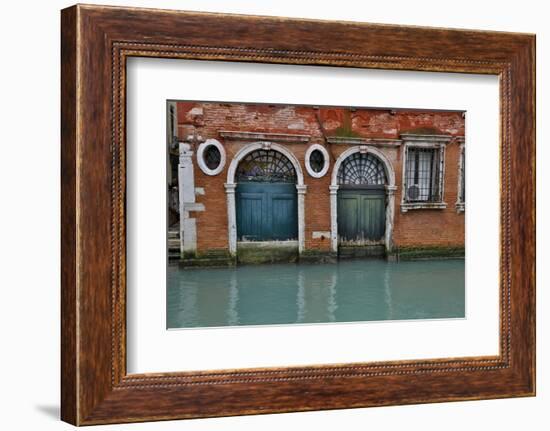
(186, 189)
(390, 209)
(301, 190)
(231, 218)
(333, 217)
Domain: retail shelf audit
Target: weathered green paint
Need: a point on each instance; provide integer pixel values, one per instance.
(361, 214)
(267, 211)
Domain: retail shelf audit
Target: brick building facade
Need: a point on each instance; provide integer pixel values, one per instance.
(260, 182)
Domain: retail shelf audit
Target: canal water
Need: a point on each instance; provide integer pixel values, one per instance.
(348, 291)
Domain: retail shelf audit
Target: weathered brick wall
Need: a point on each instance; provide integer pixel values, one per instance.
(416, 227)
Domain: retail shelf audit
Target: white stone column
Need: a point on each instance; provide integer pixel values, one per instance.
(334, 217)
(301, 189)
(390, 209)
(186, 190)
(231, 218)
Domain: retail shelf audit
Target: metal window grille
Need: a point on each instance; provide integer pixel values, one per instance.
(266, 166)
(212, 157)
(462, 195)
(362, 169)
(423, 175)
(316, 161)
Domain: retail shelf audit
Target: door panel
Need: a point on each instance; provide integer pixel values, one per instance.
(266, 211)
(250, 211)
(348, 217)
(361, 215)
(372, 217)
(283, 211)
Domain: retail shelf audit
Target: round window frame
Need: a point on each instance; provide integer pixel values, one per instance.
(200, 157)
(326, 157)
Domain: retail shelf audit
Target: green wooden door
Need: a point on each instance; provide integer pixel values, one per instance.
(266, 211)
(361, 215)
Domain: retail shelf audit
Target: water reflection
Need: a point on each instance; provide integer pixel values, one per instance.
(349, 291)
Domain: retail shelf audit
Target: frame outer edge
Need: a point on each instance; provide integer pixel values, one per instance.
(528, 61)
(88, 397)
(69, 195)
(523, 216)
(533, 54)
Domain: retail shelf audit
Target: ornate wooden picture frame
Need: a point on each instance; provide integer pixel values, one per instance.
(96, 41)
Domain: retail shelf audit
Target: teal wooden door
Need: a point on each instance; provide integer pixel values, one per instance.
(266, 211)
(361, 215)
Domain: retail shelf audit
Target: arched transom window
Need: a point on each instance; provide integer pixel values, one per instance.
(362, 169)
(266, 166)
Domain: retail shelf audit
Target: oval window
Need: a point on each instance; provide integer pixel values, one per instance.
(317, 161)
(212, 157)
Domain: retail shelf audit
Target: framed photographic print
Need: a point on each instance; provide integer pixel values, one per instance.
(267, 215)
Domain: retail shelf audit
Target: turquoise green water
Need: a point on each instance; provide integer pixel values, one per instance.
(349, 291)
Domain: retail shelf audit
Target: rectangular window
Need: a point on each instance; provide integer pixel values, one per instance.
(423, 175)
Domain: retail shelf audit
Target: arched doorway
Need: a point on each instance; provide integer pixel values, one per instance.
(362, 199)
(232, 184)
(266, 198)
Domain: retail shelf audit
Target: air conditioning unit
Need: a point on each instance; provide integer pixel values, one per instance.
(413, 192)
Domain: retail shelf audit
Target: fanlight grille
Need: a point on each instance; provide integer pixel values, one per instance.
(266, 166)
(362, 169)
